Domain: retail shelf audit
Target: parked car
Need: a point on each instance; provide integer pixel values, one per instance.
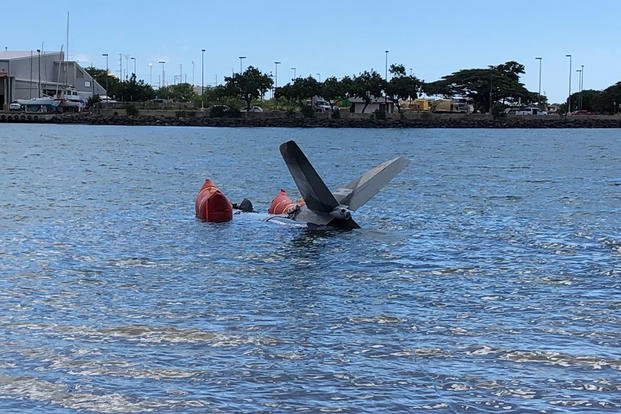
(253, 108)
(525, 111)
(582, 112)
(321, 106)
(106, 99)
(218, 111)
(15, 106)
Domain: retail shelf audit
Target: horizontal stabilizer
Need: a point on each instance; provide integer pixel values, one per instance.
(358, 192)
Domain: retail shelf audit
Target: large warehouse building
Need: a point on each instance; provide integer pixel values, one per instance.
(27, 75)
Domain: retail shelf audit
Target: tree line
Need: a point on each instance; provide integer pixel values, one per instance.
(488, 89)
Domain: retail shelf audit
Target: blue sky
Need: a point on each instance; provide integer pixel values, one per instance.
(337, 37)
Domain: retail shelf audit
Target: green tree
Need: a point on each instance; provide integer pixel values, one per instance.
(485, 87)
(587, 100)
(608, 100)
(182, 92)
(300, 90)
(252, 84)
(401, 86)
(134, 91)
(105, 80)
(332, 89)
(367, 85)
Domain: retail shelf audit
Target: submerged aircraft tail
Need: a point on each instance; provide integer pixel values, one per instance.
(322, 206)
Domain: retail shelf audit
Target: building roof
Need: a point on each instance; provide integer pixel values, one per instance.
(374, 100)
(20, 54)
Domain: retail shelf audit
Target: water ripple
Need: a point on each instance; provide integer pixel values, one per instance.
(485, 278)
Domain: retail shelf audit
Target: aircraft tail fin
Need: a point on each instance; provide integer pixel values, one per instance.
(316, 194)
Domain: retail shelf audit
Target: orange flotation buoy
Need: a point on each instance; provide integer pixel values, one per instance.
(282, 204)
(212, 205)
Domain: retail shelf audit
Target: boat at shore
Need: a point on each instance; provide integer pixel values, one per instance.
(66, 100)
(71, 100)
(44, 104)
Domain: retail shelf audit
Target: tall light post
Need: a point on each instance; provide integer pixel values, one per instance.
(151, 74)
(293, 69)
(319, 77)
(202, 79)
(134, 59)
(30, 84)
(241, 58)
(163, 83)
(276, 63)
(539, 93)
(569, 96)
(579, 72)
(107, 71)
(386, 68)
(581, 82)
(193, 81)
(39, 78)
(386, 80)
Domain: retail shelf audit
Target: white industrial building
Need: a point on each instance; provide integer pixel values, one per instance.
(34, 74)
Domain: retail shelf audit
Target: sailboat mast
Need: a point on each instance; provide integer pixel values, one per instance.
(67, 49)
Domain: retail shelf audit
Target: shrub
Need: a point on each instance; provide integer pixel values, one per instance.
(308, 111)
(131, 110)
(379, 114)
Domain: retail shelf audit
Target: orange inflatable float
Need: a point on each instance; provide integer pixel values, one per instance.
(212, 205)
(282, 204)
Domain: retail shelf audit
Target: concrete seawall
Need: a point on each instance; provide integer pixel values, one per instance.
(320, 121)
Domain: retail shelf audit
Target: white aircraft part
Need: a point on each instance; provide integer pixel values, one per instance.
(358, 192)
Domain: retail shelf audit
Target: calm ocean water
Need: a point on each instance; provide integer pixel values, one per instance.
(486, 277)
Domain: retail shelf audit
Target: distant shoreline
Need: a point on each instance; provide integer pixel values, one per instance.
(319, 122)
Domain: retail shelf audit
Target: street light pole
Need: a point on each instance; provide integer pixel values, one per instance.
(539, 93)
(386, 80)
(569, 97)
(293, 69)
(202, 79)
(241, 58)
(163, 83)
(39, 52)
(386, 68)
(134, 59)
(579, 71)
(107, 72)
(151, 74)
(276, 63)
